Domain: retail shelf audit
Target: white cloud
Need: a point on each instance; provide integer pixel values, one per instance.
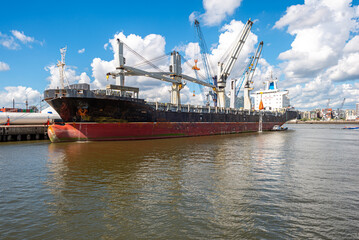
(352, 46)
(323, 59)
(149, 47)
(20, 94)
(13, 42)
(216, 11)
(316, 93)
(4, 66)
(81, 50)
(22, 37)
(8, 42)
(321, 29)
(84, 78)
(99, 69)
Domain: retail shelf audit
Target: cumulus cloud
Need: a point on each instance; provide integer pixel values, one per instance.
(323, 59)
(315, 94)
(81, 50)
(321, 29)
(4, 66)
(216, 11)
(84, 78)
(20, 94)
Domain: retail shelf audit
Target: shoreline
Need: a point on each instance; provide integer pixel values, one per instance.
(321, 122)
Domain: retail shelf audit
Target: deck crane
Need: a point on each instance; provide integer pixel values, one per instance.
(206, 63)
(174, 76)
(204, 52)
(246, 80)
(224, 69)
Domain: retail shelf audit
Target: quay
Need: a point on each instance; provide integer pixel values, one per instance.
(296, 121)
(23, 132)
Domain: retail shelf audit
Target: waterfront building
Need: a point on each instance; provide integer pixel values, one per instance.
(306, 114)
(313, 114)
(350, 114)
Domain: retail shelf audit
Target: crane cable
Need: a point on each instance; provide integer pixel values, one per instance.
(143, 58)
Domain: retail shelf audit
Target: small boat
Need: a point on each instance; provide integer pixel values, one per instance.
(279, 128)
(350, 128)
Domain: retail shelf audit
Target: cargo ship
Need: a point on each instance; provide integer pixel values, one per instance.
(117, 112)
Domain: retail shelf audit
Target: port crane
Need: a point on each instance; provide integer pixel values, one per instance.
(175, 75)
(340, 110)
(206, 63)
(204, 52)
(225, 67)
(246, 80)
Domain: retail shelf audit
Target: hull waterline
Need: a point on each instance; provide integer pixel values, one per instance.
(148, 130)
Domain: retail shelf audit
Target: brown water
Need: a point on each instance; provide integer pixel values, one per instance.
(302, 183)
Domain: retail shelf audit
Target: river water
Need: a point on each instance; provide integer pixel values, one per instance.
(302, 183)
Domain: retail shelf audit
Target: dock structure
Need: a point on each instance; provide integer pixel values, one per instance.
(22, 132)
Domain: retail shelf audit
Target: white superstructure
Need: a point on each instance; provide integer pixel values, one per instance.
(272, 98)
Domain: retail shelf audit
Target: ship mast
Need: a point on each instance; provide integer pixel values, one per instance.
(61, 66)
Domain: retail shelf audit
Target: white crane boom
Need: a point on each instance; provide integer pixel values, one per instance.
(235, 51)
(224, 70)
(175, 75)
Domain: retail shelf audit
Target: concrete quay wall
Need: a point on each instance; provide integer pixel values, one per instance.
(22, 132)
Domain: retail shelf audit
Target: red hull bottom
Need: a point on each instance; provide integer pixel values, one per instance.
(148, 130)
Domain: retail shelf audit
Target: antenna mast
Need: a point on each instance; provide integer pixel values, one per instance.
(61, 66)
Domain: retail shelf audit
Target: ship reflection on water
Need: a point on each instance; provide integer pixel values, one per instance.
(164, 187)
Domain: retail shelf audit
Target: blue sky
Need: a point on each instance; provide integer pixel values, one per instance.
(50, 25)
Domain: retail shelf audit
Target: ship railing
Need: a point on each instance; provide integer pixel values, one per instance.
(196, 108)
